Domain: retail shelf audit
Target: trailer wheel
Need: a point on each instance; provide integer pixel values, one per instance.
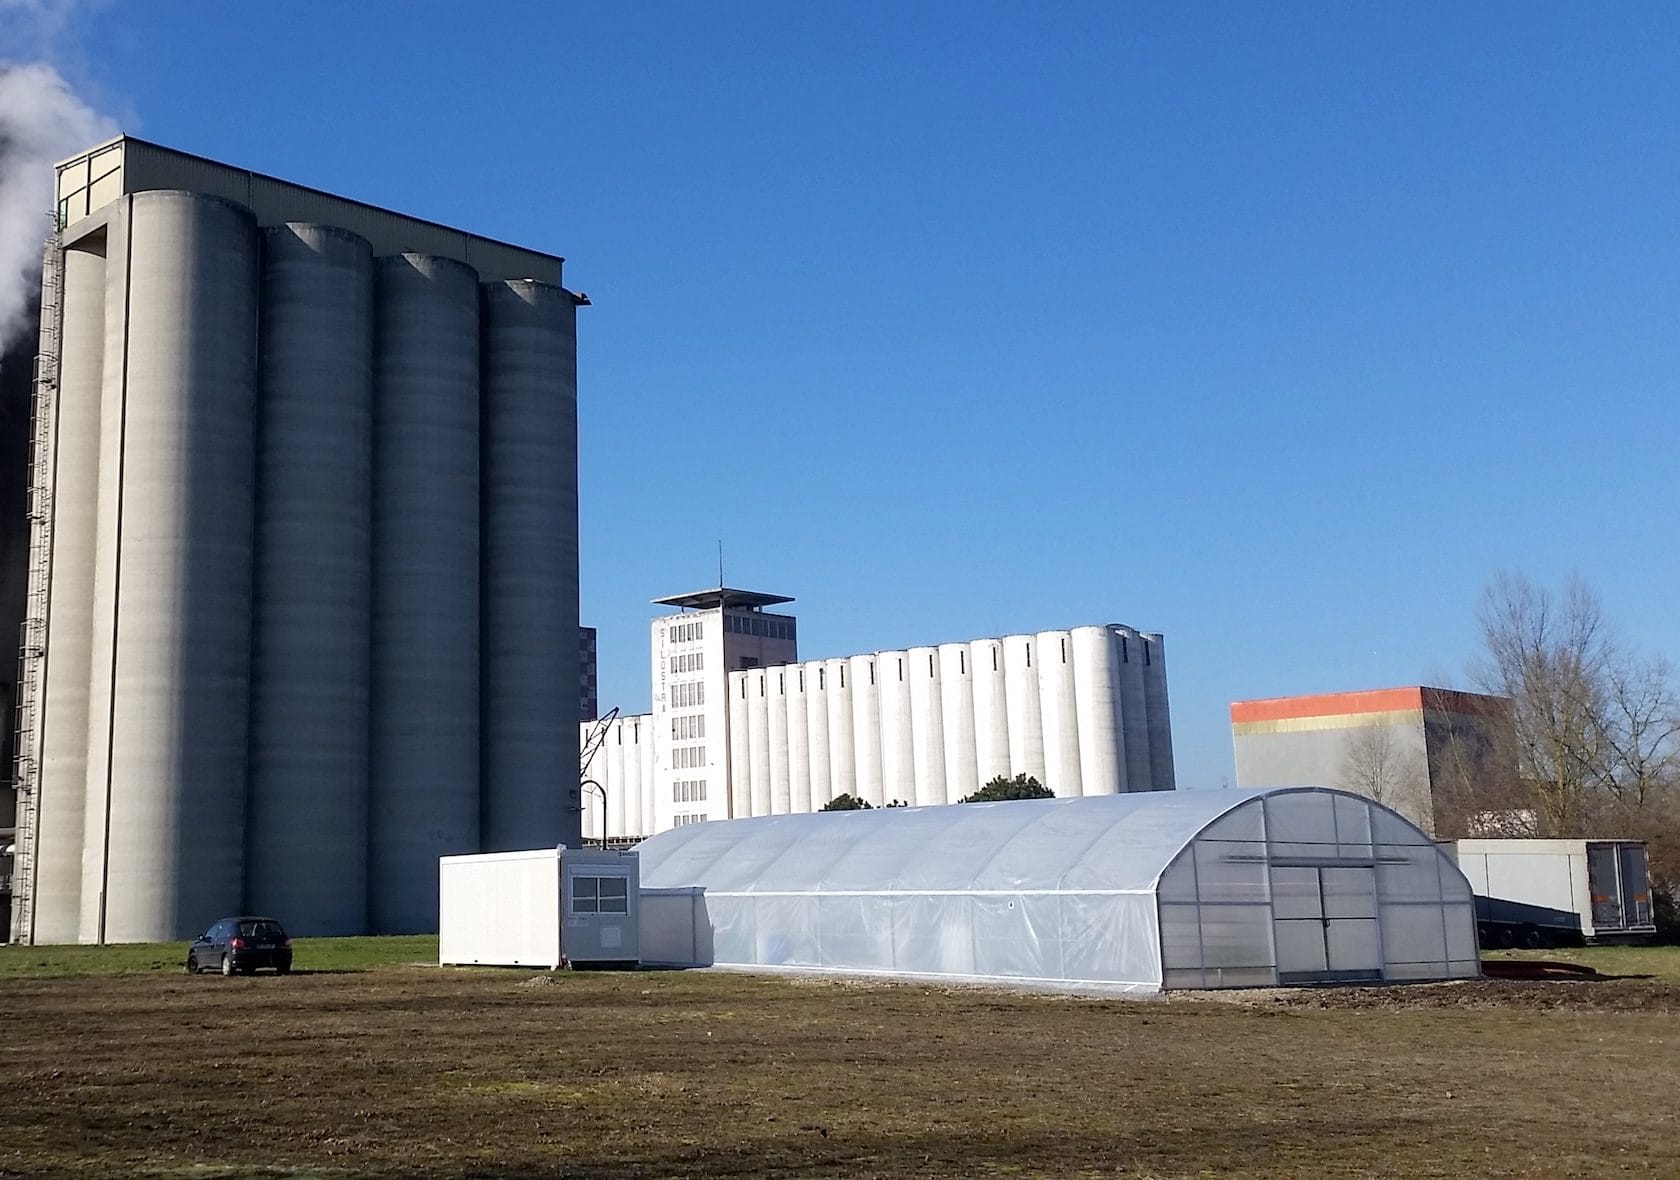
(1506, 938)
(1532, 938)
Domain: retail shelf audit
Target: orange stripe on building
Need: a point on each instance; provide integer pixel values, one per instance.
(1330, 704)
(1413, 698)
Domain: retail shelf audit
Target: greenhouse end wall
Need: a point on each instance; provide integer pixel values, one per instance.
(1313, 886)
(1119, 893)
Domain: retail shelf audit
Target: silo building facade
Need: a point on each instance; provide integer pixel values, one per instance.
(302, 610)
(741, 727)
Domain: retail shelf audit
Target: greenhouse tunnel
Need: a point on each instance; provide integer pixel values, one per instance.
(1130, 893)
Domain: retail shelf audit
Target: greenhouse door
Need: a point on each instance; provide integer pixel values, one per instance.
(1324, 922)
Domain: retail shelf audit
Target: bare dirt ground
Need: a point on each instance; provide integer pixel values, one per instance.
(425, 1072)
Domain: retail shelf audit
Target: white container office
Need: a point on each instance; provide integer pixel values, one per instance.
(550, 907)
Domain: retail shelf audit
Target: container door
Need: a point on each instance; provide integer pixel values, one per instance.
(1325, 924)
(1604, 887)
(1636, 884)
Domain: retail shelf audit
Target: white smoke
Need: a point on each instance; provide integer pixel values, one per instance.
(41, 121)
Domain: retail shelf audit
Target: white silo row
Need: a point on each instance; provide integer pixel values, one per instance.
(171, 678)
(529, 670)
(1053, 660)
(799, 740)
(424, 756)
(102, 631)
(898, 766)
(61, 800)
(775, 687)
(956, 693)
(816, 731)
(1134, 711)
(740, 749)
(758, 732)
(1026, 718)
(1096, 702)
(991, 713)
(307, 799)
(867, 729)
(842, 751)
(1161, 774)
(927, 727)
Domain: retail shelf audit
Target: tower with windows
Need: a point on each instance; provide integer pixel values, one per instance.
(714, 632)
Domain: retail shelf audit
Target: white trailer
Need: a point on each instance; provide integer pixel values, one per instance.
(1542, 892)
(551, 907)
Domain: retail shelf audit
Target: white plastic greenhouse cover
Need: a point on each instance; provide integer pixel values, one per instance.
(1079, 892)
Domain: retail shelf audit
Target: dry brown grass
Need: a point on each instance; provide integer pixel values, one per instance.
(420, 1071)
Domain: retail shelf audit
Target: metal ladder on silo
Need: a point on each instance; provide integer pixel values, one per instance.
(32, 637)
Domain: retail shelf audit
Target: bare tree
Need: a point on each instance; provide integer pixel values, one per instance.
(1551, 658)
(1640, 732)
(1595, 728)
(1378, 765)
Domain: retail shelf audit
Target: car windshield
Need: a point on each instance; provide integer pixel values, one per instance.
(261, 930)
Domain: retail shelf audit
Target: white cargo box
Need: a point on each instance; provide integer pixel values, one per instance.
(544, 908)
(1604, 884)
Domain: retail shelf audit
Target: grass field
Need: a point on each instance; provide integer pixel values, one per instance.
(1653, 962)
(363, 1068)
(310, 954)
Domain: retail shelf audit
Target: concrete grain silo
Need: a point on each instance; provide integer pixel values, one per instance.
(841, 742)
(302, 510)
(740, 802)
(1097, 710)
(867, 753)
(423, 733)
(530, 650)
(170, 674)
(645, 772)
(313, 581)
(776, 706)
(991, 713)
(927, 727)
(821, 761)
(758, 743)
(898, 743)
(1134, 707)
(74, 473)
(1021, 702)
(799, 741)
(962, 775)
(1053, 662)
(1161, 774)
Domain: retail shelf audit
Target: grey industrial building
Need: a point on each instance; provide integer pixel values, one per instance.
(1403, 747)
(301, 603)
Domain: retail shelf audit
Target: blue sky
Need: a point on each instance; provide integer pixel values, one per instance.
(1277, 329)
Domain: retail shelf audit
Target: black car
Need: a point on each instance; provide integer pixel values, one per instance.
(242, 945)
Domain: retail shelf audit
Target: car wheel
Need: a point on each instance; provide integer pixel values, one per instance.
(283, 969)
(192, 964)
(227, 965)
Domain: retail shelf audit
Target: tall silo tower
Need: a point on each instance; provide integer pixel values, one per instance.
(303, 590)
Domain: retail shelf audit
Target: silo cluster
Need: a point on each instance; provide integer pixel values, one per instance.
(1083, 711)
(313, 607)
